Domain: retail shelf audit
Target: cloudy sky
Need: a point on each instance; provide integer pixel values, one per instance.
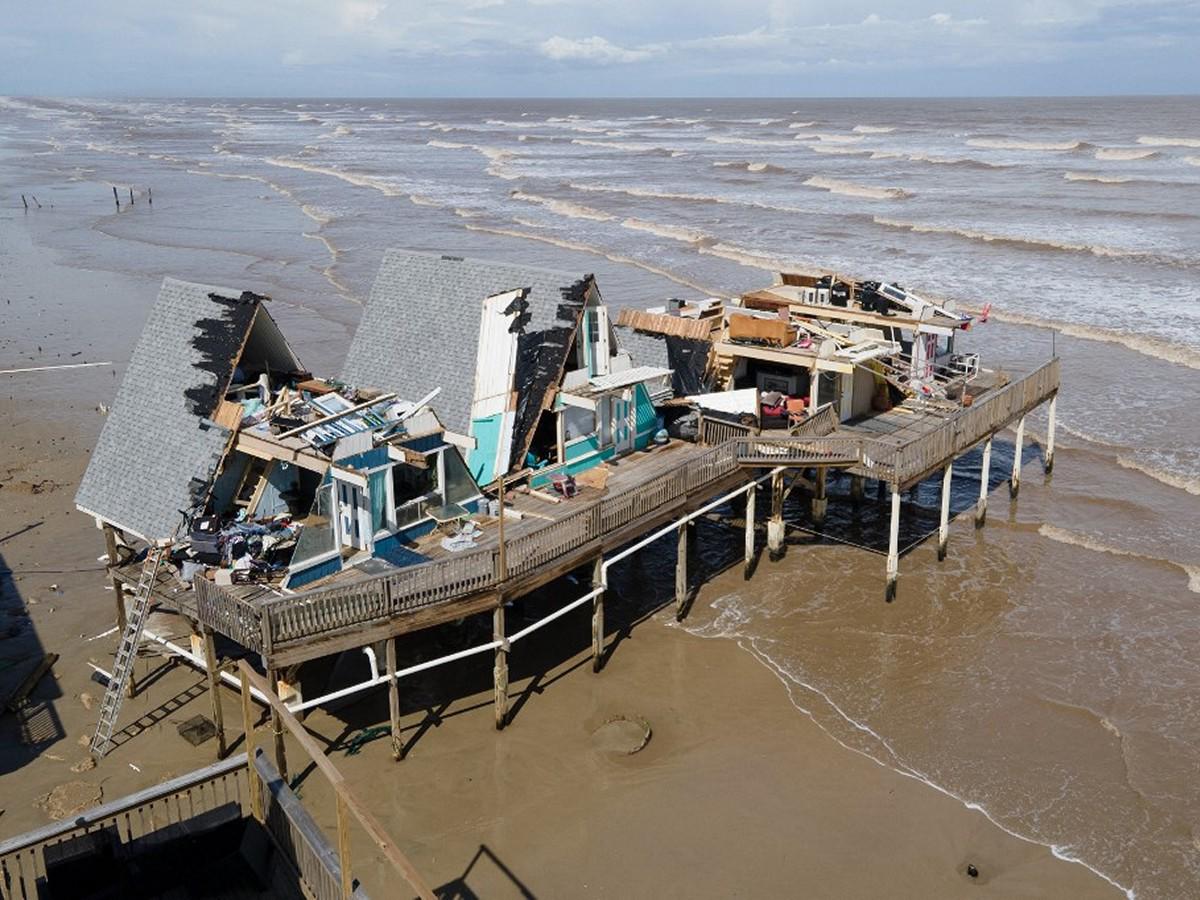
(598, 47)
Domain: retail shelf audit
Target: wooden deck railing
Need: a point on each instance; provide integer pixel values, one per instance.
(714, 432)
(267, 624)
(22, 857)
(306, 615)
(875, 458)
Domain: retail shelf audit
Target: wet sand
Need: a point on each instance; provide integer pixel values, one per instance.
(735, 794)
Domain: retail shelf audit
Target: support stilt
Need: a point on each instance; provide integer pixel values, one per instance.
(256, 798)
(277, 728)
(394, 699)
(981, 506)
(211, 666)
(820, 502)
(749, 562)
(110, 547)
(944, 524)
(1014, 484)
(775, 532)
(681, 571)
(1052, 411)
(893, 559)
(857, 489)
(500, 672)
(598, 616)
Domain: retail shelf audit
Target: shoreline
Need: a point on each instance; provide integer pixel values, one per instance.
(690, 732)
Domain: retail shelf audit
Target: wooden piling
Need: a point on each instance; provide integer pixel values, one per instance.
(26, 202)
(981, 506)
(858, 489)
(749, 561)
(343, 838)
(820, 501)
(598, 615)
(277, 727)
(394, 699)
(110, 547)
(893, 558)
(150, 196)
(131, 196)
(944, 524)
(500, 670)
(1014, 484)
(1052, 412)
(681, 571)
(775, 531)
(211, 668)
(117, 198)
(256, 799)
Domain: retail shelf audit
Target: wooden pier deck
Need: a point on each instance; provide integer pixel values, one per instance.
(644, 491)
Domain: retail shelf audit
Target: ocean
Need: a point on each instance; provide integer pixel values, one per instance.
(1048, 671)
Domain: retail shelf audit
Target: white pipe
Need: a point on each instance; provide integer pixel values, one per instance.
(378, 679)
(198, 662)
(370, 651)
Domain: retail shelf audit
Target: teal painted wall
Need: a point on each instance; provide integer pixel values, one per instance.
(482, 461)
(646, 418)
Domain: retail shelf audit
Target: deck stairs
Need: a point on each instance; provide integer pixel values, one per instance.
(114, 694)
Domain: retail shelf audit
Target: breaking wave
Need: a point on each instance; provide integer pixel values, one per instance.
(751, 166)
(853, 189)
(1005, 144)
(385, 187)
(673, 232)
(1124, 153)
(753, 142)
(595, 251)
(1007, 239)
(1063, 536)
(1157, 348)
(495, 155)
(835, 138)
(801, 124)
(1102, 179)
(1192, 160)
(1157, 141)
(625, 147)
(874, 129)
(564, 208)
(842, 150)
(1171, 479)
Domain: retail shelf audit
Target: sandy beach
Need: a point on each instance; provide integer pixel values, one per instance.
(734, 795)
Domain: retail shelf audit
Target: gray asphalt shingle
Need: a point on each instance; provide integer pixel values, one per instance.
(420, 329)
(154, 442)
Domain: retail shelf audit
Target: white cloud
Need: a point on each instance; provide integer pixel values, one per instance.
(940, 18)
(592, 49)
(356, 14)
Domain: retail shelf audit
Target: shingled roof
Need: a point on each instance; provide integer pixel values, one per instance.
(158, 449)
(420, 329)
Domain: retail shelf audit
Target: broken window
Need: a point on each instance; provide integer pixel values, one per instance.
(319, 534)
(578, 422)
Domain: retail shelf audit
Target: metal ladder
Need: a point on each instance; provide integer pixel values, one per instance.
(114, 694)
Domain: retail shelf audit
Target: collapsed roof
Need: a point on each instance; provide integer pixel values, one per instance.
(420, 330)
(159, 449)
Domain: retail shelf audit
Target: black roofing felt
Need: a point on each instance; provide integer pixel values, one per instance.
(218, 341)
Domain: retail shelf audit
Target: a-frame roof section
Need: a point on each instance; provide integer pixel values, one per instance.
(159, 450)
(420, 329)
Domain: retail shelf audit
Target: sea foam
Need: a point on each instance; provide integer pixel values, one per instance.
(853, 189)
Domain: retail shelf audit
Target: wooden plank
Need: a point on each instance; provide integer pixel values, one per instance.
(375, 830)
(29, 682)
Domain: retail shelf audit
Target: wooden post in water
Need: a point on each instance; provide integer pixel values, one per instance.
(277, 727)
(26, 202)
(150, 196)
(394, 699)
(944, 524)
(1014, 484)
(110, 547)
(893, 558)
(775, 530)
(131, 196)
(211, 667)
(749, 562)
(343, 834)
(981, 506)
(500, 671)
(681, 571)
(820, 502)
(117, 198)
(598, 614)
(1049, 463)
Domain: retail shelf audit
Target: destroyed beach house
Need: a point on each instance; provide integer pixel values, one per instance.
(302, 517)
